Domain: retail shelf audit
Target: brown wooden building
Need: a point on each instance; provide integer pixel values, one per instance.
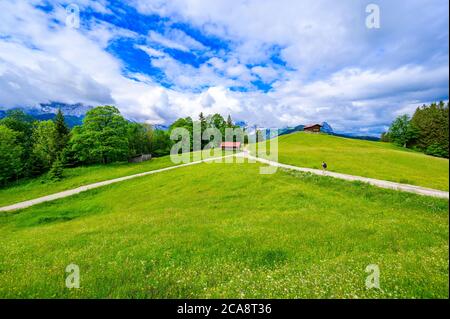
(314, 128)
(230, 146)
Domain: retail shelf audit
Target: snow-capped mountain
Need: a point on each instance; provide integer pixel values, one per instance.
(73, 113)
(77, 109)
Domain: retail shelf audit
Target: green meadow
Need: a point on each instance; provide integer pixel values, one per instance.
(364, 158)
(75, 177)
(224, 230)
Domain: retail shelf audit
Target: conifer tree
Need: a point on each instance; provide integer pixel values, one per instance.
(61, 133)
(229, 121)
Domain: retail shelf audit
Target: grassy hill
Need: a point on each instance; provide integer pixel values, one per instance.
(364, 158)
(224, 230)
(357, 157)
(75, 177)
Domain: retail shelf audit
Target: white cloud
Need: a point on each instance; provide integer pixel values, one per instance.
(267, 74)
(206, 100)
(151, 52)
(335, 71)
(175, 39)
(215, 72)
(168, 43)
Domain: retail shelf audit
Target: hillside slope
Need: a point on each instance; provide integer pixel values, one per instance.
(201, 232)
(364, 158)
(27, 189)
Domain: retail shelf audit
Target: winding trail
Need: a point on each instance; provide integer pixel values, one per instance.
(376, 182)
(84, 188)
(372, 181)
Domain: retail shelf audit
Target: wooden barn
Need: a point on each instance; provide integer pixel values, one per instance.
(313, 128)
(230, 146)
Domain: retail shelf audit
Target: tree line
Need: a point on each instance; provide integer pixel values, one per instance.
(426, 131)
(215, 121)
(29, 148)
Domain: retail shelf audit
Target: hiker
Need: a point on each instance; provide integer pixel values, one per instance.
(324, 166)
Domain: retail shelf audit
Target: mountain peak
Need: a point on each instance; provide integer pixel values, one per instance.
(77, 109)
(326, 128)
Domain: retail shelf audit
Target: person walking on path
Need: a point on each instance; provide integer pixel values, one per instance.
(324, 166)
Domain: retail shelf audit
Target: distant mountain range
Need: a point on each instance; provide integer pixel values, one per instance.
(77, 109)
(241, 124)
(74, 114)
(326, 128)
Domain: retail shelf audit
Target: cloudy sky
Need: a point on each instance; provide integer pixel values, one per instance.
(269, 62)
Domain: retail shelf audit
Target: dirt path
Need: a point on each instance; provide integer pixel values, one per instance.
(80, 189)
(376, 182)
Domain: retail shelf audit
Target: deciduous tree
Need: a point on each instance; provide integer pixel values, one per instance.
(44, 144)
(102, 138)
(402, 131)
(11, 151)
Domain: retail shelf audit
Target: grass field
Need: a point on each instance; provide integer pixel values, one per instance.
(75, 177)
(79, 176)
(224, 230)
(364, 158)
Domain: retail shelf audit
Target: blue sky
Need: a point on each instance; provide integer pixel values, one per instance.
(271, 63)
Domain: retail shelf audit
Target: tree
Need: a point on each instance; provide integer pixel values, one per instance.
(187, 124)
(402, 131)
(218, 122)
(44, 144)
(56, 171)
(385, 137)
(436, 150)
(202, 120)
(432, 123)
(22, 124)
(182, 122)
(10, 154)
(61, 133)
(229, 122)
(70, 155)
(18, 121)
(161, 143)
(203, 127)
(259, 136)
(102, 138)
(139, 139)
